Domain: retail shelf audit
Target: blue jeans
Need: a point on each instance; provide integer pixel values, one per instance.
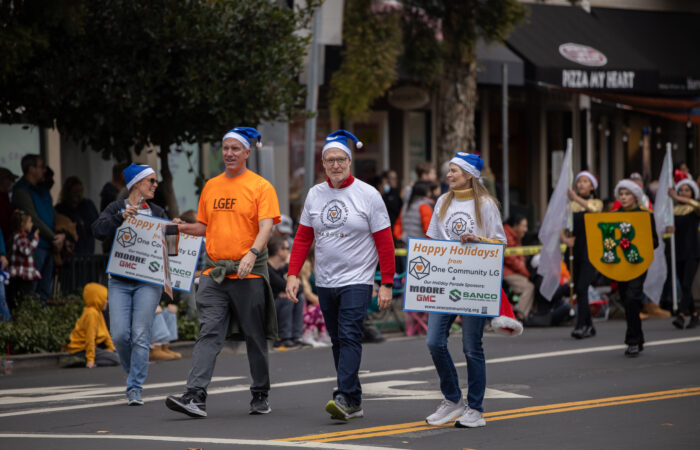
(43, 261)
(164, 328)
(132, 305)
(344, 310)
(472, 333)
(4, 309)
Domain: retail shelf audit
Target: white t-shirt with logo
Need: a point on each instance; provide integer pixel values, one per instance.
(343, 221)
(460, 219)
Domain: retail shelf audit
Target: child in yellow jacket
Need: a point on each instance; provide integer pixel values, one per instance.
(90, 338)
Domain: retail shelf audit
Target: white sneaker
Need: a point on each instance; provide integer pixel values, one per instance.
(324, 338)
(446, 412)
(471, 419)
(308, 339)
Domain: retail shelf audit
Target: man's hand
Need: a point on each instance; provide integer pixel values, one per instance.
(246, 265)
(91, 365)
(384, 297)
(3, 262)
(292, 288)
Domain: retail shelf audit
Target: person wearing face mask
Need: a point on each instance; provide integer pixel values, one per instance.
(582, 202)
(350, 224)
(132, 302)
(391, 194)
(466, 213)
(686, 219)
(631, 196)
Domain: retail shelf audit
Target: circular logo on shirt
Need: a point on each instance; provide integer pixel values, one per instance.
(334, 214)
(459, 223)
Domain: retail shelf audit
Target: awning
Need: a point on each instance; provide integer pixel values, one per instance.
(670, 39)
(490, 59)
(568, 47)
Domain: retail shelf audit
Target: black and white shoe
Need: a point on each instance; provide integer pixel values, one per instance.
(259, 404)
(191, 403)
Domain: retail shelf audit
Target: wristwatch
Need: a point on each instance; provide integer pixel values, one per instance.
(254, 251)
(389, 285)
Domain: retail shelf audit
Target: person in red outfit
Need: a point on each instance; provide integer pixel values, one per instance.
(514, 268)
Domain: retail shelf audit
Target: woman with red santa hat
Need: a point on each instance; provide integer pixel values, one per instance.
(468, 202)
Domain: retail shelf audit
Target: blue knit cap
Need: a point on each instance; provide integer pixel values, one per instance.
(135, 173)
(339, 139)
(244, 135)
(469, 162)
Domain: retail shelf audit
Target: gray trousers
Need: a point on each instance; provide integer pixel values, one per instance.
(216, 304)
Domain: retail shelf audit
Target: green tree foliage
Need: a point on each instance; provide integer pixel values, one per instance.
(161, 72)
(372, 45)
(438, 49)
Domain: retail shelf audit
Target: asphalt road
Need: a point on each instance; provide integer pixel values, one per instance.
(545, 391)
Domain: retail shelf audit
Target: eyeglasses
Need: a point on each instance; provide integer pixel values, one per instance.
(152, 180)
(332, 161)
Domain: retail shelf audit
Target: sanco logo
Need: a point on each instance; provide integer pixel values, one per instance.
(419, 267)
(455, 295)
(154, 266)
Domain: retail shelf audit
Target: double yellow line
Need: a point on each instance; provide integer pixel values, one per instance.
(409, 427)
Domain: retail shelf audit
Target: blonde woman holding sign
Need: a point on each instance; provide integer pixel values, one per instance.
(132, 303)
(469, 214)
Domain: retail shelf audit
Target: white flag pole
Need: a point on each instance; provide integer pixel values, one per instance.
(570, 229)
(674, 289)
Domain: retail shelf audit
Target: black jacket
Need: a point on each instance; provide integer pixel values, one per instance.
(111, 218)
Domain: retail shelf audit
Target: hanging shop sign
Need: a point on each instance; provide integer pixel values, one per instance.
(408, 98)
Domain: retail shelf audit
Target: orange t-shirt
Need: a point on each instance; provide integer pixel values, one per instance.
(231, 208)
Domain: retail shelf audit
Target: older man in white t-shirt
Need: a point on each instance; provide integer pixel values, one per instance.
(351, 226)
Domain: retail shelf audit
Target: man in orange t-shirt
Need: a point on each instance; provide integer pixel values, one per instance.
(236, 213)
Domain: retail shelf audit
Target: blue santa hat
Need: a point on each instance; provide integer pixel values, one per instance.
(469, 162)
(135, 173)
(244, 135)
(339, 139)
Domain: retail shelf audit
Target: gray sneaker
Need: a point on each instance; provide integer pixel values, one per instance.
(340, 410)
(471, 419)
(134, 398)
(192, 403)
(446, 412)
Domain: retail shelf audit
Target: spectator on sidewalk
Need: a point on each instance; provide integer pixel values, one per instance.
(73, 204)
(163, 332)
(23, 272)
(5, 315)
(111, 189)
(7, 179)
(515, 271)
(31, 195)
(90, 341)
(350, 224)
(290, 316)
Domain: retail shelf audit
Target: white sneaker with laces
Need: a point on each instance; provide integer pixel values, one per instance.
(308, 339)
(446, 412)
(471, 419)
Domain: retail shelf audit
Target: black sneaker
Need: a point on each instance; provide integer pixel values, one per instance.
(632, 351)
(191, 403)
(679, 322)
(339, 409)
(259, 404)
(694, 322)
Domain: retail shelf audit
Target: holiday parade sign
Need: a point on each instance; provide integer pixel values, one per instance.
(138, 252)
(454, 278)
(620, 244)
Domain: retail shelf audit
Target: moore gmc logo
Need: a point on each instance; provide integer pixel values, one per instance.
(426, 293)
